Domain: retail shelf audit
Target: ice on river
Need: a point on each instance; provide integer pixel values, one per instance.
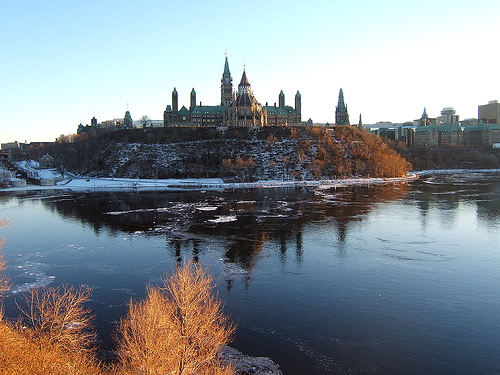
(223, 219)
(33, 273)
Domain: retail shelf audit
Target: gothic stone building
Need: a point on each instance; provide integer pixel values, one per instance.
(341, 114)
(237, 108)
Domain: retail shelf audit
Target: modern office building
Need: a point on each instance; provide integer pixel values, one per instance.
(489, 113)
(448, 116)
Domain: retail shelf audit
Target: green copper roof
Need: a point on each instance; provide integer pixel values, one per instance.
(175, 91)
(298, 93)
(226, 69)
(341, 105)
(210, 109)
(271, 110)
(481, 127)
(184, 111)
(169, 108)
(444, 128)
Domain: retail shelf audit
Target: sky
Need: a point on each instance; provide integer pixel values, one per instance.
(63, 62)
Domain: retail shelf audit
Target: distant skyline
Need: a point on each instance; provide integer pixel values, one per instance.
(62, 62)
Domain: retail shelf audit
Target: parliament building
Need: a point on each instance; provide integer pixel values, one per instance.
(237, 108)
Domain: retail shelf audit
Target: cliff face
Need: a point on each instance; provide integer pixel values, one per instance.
(240, 154)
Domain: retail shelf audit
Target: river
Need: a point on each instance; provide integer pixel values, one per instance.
(382, 279)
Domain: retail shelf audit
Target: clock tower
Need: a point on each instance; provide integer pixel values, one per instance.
(226, 88)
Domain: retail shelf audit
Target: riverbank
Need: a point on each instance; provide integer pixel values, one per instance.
(76, 183)
(109, 184)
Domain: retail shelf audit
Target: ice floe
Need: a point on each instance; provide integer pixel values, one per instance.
(223, 219)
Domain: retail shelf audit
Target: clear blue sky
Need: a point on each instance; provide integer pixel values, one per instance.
(63, 61)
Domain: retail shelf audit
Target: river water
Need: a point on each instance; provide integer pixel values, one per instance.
(383, 279)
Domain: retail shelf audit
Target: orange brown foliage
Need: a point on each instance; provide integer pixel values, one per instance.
(178, 329)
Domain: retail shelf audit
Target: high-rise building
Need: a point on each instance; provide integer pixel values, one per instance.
(448, 116)
(489, 113)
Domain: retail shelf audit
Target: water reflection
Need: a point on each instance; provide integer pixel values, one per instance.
(342, 280)
(448, 192)
(246, 220)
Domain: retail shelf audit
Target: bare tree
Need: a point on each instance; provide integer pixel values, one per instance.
(145, 121)
(58, 317)
(178, 329)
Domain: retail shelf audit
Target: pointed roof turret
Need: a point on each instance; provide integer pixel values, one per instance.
(424, 120)
(244, 79)
(282, 99)
(226, 73)
(341, 105)
(245, 96)
(341, 115)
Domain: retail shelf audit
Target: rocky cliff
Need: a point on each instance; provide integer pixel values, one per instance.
(239, 154)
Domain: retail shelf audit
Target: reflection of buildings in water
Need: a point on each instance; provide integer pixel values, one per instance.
(181, 248)
(263, 216)
(298, 246)
(342, 229)
(488, 209)
(447, 193)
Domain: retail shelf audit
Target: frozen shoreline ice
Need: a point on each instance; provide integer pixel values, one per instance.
(110, 184)
(191, 184)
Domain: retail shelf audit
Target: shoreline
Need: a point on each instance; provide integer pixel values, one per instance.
(213, 184)
(429, 172)
(79, 184)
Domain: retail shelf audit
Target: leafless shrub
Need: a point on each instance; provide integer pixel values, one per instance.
(58, 317)
(178, 329)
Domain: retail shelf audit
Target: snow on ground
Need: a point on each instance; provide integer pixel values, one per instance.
(84, 184)
(79, 183)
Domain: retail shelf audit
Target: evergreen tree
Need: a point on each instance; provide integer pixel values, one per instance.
(127, 120)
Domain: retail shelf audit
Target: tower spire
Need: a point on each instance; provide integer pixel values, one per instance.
(341, 114)
(281, 99)
(341, 105)
(226, 88)
(226, 73)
